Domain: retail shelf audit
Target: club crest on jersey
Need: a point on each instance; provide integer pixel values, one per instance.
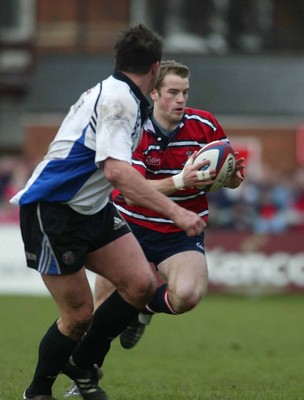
(68, 257)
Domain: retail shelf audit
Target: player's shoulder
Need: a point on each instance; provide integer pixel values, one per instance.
(86, 97)
(202, 117)
(192, 112)
(117, 94)
(115, 87)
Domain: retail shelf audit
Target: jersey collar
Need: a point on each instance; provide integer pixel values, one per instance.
(153, 129)
(149, 126)
(144, 104)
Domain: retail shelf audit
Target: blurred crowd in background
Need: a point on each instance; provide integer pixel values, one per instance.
(14, 172)
(272, 203)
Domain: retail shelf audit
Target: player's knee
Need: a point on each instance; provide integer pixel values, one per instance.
(79, 322)
(145, 291)
(80, 328)
(142, 291)
(185, 300)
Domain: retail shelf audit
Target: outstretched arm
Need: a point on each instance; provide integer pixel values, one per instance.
(135, 187)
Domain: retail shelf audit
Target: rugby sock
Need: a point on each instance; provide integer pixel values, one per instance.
(54, 352)
(110, 319)
(160, 303)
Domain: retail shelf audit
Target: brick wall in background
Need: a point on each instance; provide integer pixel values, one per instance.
(278, 145)
(80, 26)
(37, 140)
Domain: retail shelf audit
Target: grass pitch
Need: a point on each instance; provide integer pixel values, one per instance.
(228, 348)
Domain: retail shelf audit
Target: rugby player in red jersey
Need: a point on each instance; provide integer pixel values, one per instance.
(172, 133)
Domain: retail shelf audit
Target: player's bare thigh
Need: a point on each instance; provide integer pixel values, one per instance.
(124, 264)
(187, 277)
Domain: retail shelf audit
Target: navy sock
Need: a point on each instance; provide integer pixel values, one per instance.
(109, 320)
(160, 302)
(54, 352)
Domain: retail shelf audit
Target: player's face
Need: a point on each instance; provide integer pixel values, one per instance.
(170, 102)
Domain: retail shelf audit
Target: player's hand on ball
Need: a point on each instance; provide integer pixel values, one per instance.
(238, 175)
(221, 158)
(240, 166)
(199, 174)
(194, 175)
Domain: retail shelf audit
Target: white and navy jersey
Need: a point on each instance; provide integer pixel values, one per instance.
(105, 122)
(158, 157)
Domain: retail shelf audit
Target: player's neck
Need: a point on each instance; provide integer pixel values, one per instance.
(164, 123)
(142, 81)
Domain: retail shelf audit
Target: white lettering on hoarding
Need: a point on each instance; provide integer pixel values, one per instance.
(245, 269)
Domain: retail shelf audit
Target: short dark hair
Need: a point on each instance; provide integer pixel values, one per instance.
(137, 49)
(171, 67)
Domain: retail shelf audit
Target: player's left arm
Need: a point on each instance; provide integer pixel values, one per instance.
(238, 176)
(190, 176)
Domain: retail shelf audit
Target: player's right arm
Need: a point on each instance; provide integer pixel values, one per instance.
(135, 187)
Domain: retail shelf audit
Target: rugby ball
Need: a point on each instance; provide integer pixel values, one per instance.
(222, 159)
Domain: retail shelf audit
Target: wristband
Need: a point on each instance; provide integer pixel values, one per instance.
(178, 180)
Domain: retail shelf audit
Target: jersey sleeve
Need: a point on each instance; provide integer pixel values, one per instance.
(115, 127)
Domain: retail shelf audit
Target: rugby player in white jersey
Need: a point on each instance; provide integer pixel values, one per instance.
(68, 224)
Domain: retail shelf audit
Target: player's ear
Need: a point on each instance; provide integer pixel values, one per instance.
(153, 94)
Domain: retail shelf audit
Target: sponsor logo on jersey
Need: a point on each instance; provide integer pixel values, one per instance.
(153, 161)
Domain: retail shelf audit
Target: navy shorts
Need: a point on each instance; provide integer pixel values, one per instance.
(57, 239)
(159, 246)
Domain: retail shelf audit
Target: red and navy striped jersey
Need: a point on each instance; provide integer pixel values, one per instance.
(158, 157)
